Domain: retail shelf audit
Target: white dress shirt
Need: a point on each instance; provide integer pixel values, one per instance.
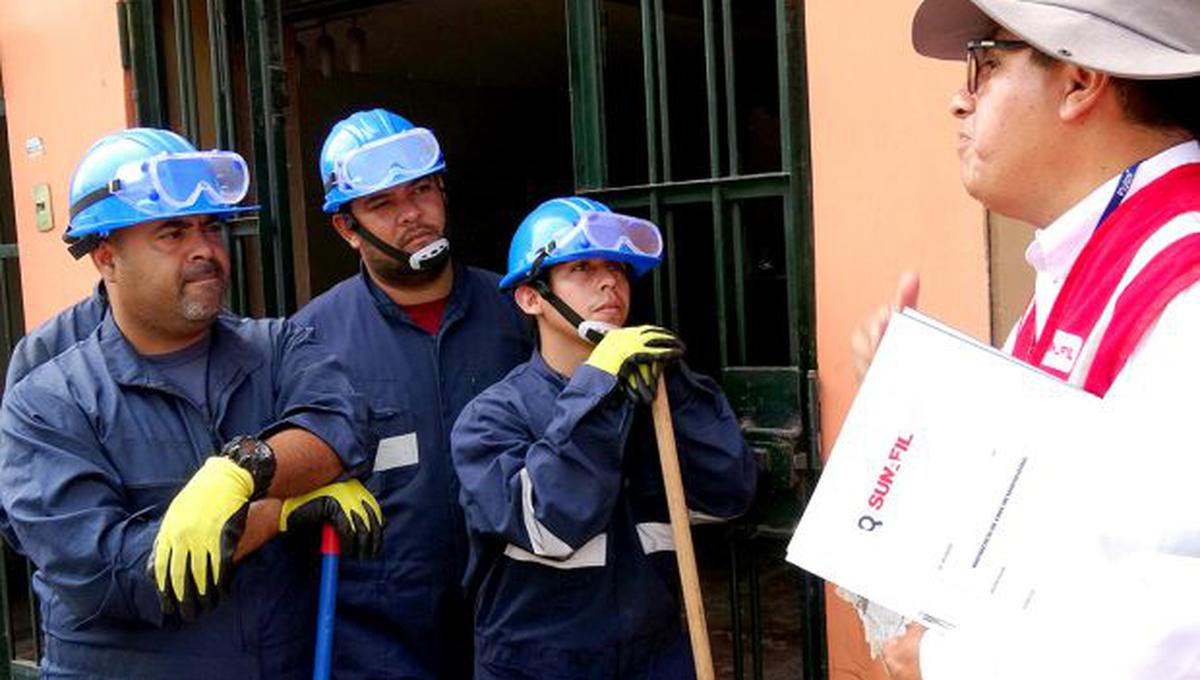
(1138, 617)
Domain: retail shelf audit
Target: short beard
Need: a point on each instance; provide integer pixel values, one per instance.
(203, 307)
(400, 275)
(200, 310)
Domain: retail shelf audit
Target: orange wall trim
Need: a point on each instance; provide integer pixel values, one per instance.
(886, 197)
(64, 84)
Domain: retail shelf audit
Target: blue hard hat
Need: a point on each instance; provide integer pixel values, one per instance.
(96, 211)
(356, 131)
(555, 221)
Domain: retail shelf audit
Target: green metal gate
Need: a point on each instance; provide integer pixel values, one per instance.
(227, 52)
(716, 152)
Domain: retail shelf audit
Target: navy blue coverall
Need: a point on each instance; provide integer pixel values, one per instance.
(96, 445)
(55, 335)
(43, 344)
(571, 545)
(404, 615)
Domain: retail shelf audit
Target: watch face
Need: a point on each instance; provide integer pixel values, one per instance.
(244, 448)
(237, 447)
(256, 457)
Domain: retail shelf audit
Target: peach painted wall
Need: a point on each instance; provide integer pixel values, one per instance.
(886, 196)
(63, 82)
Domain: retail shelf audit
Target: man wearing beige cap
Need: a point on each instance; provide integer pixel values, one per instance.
(1081, 118)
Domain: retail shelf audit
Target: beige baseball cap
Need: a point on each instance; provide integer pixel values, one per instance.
(1136, 39)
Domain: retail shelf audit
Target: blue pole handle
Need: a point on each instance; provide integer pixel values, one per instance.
(327, 603)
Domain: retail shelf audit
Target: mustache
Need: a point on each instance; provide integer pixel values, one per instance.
(206, 269)
(417, 232)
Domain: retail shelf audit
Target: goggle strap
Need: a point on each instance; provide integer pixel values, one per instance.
(589, 333)
(95, 196)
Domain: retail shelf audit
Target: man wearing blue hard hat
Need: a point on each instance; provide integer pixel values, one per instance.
(571, 550)
(147, 467)
(420, 335)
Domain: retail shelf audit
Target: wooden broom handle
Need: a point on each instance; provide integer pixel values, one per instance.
(682, 533)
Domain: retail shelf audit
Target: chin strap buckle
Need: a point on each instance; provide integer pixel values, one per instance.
(429, 253)
(593, 331)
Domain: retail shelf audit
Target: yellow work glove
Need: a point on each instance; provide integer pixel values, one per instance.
(192, 558)
(636, 357)
(348, 506)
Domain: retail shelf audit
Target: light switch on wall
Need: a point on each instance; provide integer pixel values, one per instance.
(42, 208)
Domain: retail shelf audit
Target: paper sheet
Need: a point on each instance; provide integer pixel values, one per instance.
(942, 498)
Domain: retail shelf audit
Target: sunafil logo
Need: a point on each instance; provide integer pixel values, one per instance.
(885, 482)
(1063, 352)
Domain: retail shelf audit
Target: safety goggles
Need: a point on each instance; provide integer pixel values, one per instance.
(612, 231)
(166, 183)
(374, 165)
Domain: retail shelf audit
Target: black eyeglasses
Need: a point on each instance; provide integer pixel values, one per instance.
(975, 48)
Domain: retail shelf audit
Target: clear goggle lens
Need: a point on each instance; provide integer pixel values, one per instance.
(614, 231)
(172, 181)
(377, 163)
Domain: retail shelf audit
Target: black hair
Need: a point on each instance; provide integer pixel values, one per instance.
(1171, 104)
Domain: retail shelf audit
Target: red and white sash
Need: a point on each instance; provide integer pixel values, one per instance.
(1119, 285)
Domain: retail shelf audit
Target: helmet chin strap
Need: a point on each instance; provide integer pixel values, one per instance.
(431, 258)
(591, 331)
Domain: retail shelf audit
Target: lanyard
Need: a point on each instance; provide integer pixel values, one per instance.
(1026, 335)
(1120, 193)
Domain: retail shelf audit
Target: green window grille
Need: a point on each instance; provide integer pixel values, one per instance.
(694, 114)
(213, 70)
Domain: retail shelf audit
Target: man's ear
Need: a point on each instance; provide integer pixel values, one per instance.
(341, 224)
(104, 259)
(1083, 91)
(528, 300)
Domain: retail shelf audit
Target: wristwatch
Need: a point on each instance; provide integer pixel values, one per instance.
(254, 456)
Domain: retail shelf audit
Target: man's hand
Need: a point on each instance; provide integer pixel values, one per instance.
(639, 378)
(902, 655)
(348, 506)
(865, 339)
(192, 559)
(637, 356)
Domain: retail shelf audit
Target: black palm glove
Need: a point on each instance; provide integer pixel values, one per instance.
(348, 506)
